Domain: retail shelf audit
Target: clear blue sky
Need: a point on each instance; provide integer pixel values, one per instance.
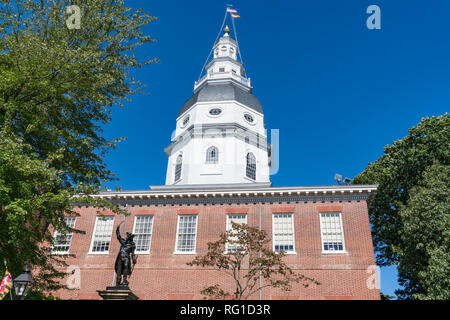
(337, 91)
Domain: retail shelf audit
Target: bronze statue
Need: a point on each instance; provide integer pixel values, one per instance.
(123, 261)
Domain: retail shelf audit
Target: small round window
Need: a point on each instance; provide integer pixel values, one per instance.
(186, 120)
(215, 111)
(248, 117)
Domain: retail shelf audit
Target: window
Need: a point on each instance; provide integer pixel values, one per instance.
(212, 155)
(248, 118)
(186, 120)
(178, 165)
(251, 166)
(62, 241)
(283, 232)
(215, 111)
(101, 237)
(332, 233)
(221, 69)
(186, 234)
(237, 218)
(143, 233)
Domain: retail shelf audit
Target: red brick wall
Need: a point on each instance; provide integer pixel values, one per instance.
(165, 275)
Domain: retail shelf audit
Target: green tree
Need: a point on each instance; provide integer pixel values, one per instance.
(424, 267)
(58, 87)
(242, 254)
(400, 169)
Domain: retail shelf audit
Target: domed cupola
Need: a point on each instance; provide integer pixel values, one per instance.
(220, 137)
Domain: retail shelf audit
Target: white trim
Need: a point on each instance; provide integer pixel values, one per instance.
(334, 252)
(293, 233)
(343, 251)
(215, 115)
(184, 252)
(228, 220)
(93, 234)
(151, 232)
(183, 125)
(200, 103)
(160, 191)
(255, 121)
(56, 233)
(195, 238)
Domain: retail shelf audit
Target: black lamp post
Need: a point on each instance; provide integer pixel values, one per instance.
(23, 284)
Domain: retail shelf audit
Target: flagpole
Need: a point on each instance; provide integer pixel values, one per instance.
(237, 42)
(218, 35)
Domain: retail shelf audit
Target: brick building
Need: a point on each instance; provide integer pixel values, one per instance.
(219, 165)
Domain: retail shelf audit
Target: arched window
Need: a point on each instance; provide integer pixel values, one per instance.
(212, 155)
(251, 166)
(178, 165)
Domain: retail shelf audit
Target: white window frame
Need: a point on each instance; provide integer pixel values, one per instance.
(178, 168)
(57, 233)
(228, 226)
(209, 159)
(97, 218)
(250, 167)
(177, 236)
(151, 233)
(342, 232)
(293, 232)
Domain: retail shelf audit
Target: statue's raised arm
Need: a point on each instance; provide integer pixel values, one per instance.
(119, 237)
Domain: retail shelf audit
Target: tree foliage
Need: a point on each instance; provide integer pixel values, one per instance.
(399, 172)
(424, 269)
(242, 254)
(57, 89)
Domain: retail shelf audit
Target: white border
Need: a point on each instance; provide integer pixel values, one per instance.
(166, 191)
(293, 233)
(226, 225)
(71, 239)
(342, 231)
(182, 125)
(93, 234)
(195, 239)
(151, 231)
(215, 115)
(251, 115)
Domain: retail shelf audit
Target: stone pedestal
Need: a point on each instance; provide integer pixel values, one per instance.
(117, 293)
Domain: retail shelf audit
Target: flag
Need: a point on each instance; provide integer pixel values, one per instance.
(235, 15)
(231, 10)
(6, 284)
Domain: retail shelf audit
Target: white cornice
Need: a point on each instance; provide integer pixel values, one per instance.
(241, 191)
